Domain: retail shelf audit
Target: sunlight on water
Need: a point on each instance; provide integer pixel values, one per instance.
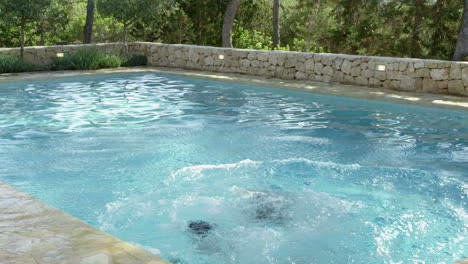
(204, 172)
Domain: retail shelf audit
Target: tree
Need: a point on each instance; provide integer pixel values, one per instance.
(418, 13)
(24, 12)
(129, 11)
(461, 50)
(276, 23)
(88, 28)
(229, 16)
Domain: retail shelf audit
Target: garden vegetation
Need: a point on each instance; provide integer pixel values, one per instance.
(435, 29)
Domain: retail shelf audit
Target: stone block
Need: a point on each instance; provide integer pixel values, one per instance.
(318, 68)
(381, 75)
(291, 62)
(455, 71)
(355, 71)
(408, 83)
(252, 55)
(273, 58)
(348, 79)
(326, 78)
(337, 63)
(300, 66)
(356, 63)
(309, 65)
(317, 57)
(255, 63)
(418, 64)
(328, 71)
(431, 64)
(456, 87)
(40, 53)
(301, 75)
(440, 74)
(262, 56)
(326, 59)
(394, 75)
(245, 63)
(318, 78)
(429, 85)
(362, 81)
(443, 64)
(29, 57)
(195, 57)
(443, 85)
(346, 67)
(338, 76)
(374, 82)
(281, 59)
(422, 73)
(464, 76)
(403, 65)
(367, 73)
(208, 61)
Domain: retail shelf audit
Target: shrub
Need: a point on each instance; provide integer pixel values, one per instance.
(10, 63)
(135, 60)
(62, 64)
(87, 59)
(110, 61)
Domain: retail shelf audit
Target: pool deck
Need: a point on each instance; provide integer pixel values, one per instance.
(354, 91)
(32, 232)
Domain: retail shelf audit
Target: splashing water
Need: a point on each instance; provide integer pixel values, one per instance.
(207, 172)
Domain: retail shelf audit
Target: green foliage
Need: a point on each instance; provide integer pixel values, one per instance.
(26, 10)
(9, 64)
(136, 60)
(87, 59)
(246, 39)
(129, 11)
(403, 28)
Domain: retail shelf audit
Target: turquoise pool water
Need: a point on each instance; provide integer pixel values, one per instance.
(205, 172)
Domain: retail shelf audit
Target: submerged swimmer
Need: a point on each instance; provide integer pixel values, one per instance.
(200, 228)
(270, 206)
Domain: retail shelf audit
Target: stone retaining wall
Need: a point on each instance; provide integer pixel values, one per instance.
(416, 75)
(43, 55)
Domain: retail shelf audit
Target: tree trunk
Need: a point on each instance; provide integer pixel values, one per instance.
(88, 28)
(437, 22)
(461, 50)
(418, 13)
(125, 38)
(125, 34)
(276, 24)
(41, 29)
(23, 24)
(229, 16)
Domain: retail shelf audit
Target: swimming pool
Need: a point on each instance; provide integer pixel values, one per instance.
(201, 171)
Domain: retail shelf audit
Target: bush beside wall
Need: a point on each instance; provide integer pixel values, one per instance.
(10, 64)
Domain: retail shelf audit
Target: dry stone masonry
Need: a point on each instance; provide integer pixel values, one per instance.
(416, 75)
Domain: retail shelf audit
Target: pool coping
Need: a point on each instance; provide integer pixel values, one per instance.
(344, 90)
(33, 232)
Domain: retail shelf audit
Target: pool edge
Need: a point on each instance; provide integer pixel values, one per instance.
(345, 90)
(32, 231)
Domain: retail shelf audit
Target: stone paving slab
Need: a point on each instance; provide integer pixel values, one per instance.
(33, 232)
